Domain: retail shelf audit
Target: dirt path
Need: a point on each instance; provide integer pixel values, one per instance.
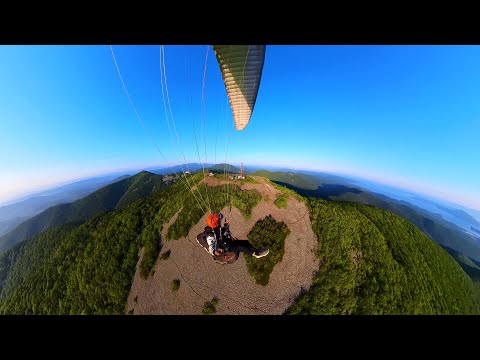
(202, 279)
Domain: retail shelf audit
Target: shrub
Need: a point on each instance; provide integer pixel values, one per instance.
(175, 285)
(269, 234)
(281, 200)
(210, 307)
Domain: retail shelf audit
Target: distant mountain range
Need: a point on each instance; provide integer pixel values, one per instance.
(442, 231)
(474, 213)
(460, 220)
(304, 182)
(370, 261)
(454, 213)
(7, 225)
(221, 168)
(114, 196)
(13, 214)
(470, 266)
(192, 167)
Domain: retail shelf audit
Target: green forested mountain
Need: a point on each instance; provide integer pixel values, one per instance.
(26, 208)
(440, 230)
(468, 265)
(375, 262)
(86, 268)
(113, 196)
(221, 168)
(371, 260)
(89, 268)
(300, 181)
(9, 225)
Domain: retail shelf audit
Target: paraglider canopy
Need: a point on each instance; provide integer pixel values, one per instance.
(241, 67)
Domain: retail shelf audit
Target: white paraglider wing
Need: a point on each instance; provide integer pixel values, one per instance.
(241, 67)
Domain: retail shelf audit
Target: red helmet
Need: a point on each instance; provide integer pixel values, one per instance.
(213, 220)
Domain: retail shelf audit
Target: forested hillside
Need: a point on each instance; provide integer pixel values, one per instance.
(113, 196)
(89, 268)
(375, 262)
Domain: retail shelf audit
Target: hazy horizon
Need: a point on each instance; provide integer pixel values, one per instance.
(404, 116)
(130, 171)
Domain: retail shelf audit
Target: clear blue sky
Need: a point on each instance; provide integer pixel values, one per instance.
(403, 115)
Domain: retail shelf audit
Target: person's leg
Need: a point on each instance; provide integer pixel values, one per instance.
(249, 250)
(244, 243)
(240, 245)
(246, 247)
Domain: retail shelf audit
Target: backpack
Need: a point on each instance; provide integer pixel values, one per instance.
(202, 237)
(227, 258)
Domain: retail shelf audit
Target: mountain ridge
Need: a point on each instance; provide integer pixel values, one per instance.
(94, 268)
(439, 229)
(118, 194)
(16, 212)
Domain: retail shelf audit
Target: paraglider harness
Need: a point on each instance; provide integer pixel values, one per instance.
(227, 257)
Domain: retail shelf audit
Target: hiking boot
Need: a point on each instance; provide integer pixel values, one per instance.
(260, 253)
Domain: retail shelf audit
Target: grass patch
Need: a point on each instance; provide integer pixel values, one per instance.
(281, 200)
(287, 191)
(245, 201)
(165, 255)
(210, 307)
(175, 285)
(267, 233)
(248, 180)
(150, 253)
(476, 290)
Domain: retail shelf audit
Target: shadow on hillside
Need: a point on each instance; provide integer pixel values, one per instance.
(323, 191)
